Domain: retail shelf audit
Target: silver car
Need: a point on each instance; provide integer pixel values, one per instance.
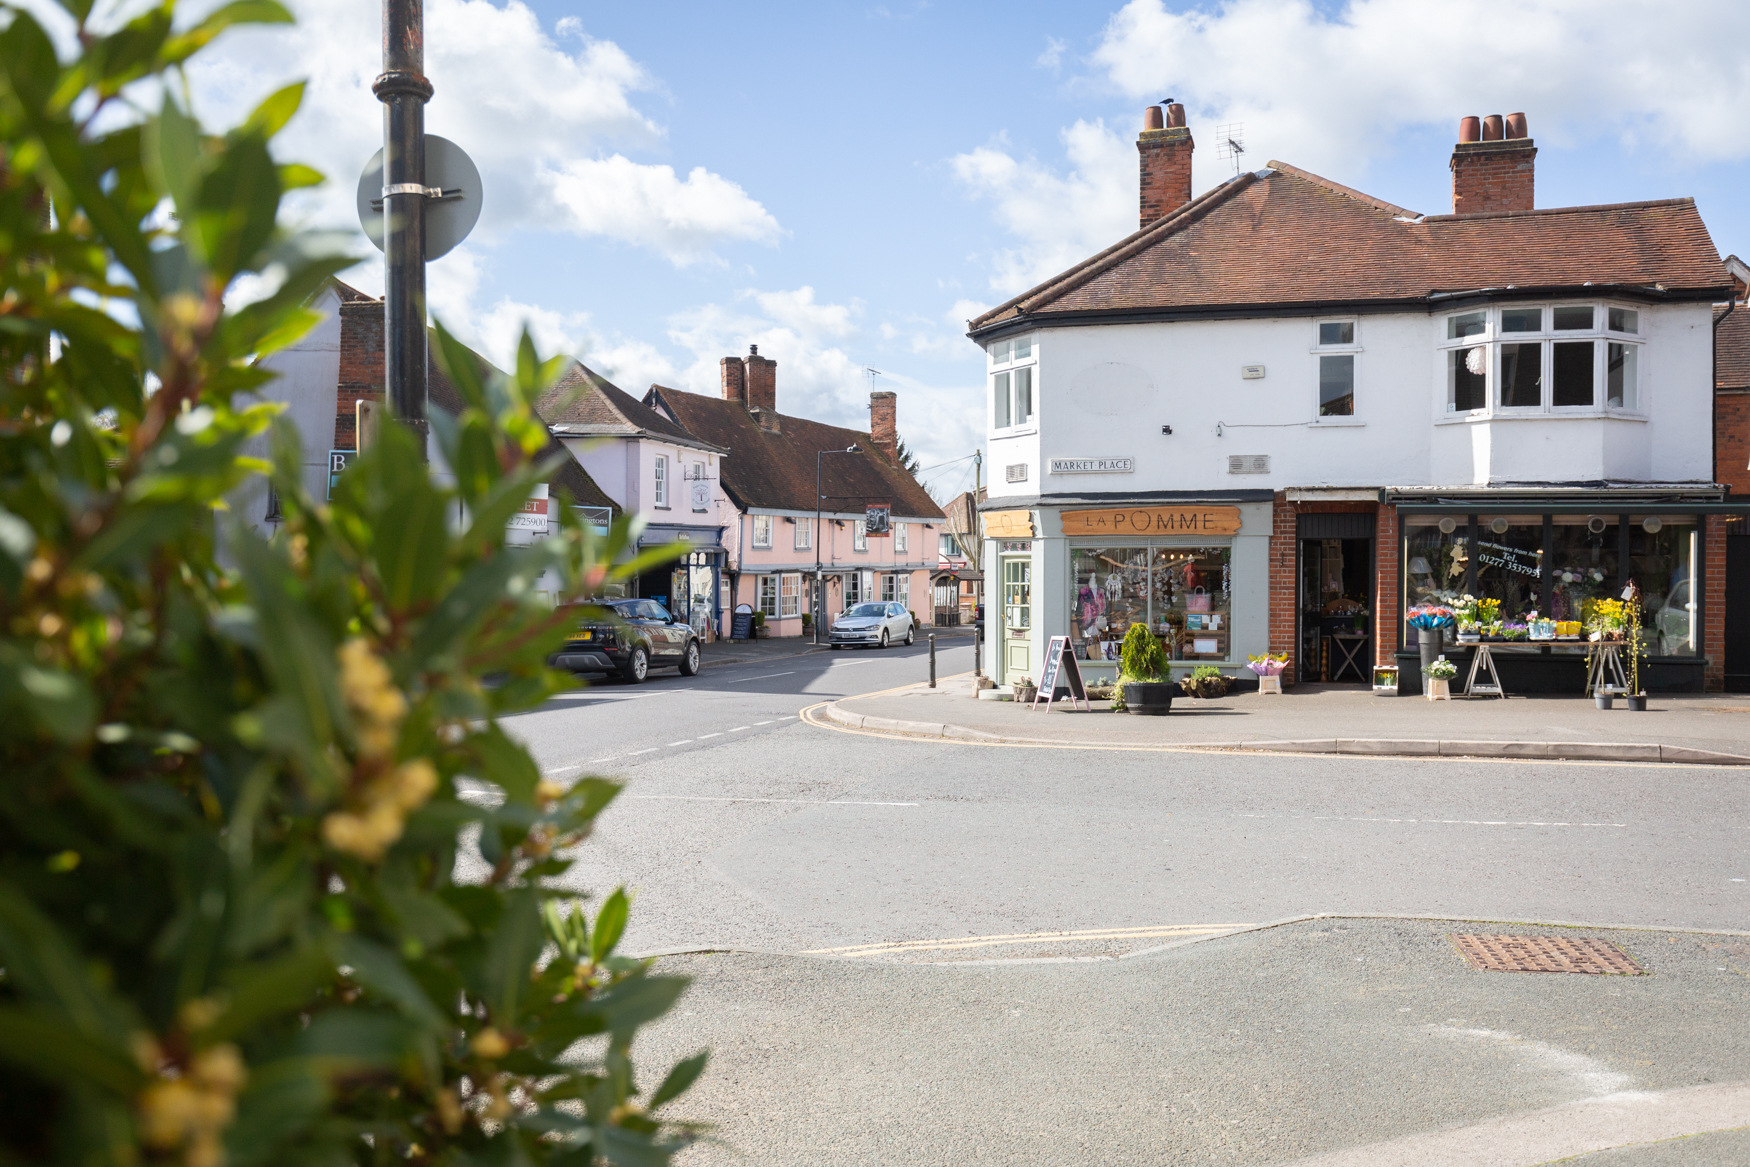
(873, 625)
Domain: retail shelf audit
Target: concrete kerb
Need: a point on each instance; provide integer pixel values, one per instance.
(1391, 747)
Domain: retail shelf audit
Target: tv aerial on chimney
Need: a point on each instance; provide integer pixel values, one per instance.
(1230, 143)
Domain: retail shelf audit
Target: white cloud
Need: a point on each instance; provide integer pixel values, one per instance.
(799, 311)
(1052, 57)
(1060, 218)
(538, 117)
(1329, 92)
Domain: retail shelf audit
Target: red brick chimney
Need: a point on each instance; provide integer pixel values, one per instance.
(884, 423)
(734, 380)
(1493, 165)
(762, 381)
(1166, 161)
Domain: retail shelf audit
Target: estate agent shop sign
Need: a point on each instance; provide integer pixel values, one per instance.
(1181, 520)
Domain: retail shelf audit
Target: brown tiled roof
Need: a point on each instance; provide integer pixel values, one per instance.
(570, 477)
(583, 402)
(776, 470)
(1732, 348)
(1286, 237)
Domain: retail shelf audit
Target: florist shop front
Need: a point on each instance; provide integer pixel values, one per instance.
(1532, 578)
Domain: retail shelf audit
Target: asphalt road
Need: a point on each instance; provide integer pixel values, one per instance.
(960, 884)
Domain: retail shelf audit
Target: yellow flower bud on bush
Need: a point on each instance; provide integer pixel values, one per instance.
(489, 1043)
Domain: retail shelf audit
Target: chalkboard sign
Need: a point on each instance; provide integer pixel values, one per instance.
(1061, 669)
(741, 625)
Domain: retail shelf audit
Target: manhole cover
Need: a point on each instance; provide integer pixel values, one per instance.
(1557, 954)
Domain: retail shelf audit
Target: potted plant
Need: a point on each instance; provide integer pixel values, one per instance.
(1206, 681)
(760, 630)
(1636, 697)
(1606, 619)
(1439, 673)
(1142, 673)
(1269, 669)
(807, 623)
(1385, 680)
(1515, 631)
(1430, 622)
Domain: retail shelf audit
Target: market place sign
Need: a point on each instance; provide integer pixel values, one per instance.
(1152, 521)
(1093, 465)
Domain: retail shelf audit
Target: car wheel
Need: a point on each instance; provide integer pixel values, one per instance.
(911, 635)
(690, 660)
(883, 643)
(637, 666)
(836, 647)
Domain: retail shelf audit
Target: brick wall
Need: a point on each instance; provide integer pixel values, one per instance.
(1166, 171)
(361, 366)
(884, 423)
(1283, 536)
(1732, 438)
(1493, 176)
(1713, 629)
(1387, 598)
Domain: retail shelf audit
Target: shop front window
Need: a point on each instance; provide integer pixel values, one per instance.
(1583, 555)
(1661, 551)
(1184, 594)
(1510, 564)
(1436, 558)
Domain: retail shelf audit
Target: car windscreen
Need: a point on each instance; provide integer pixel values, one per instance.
(868, 610)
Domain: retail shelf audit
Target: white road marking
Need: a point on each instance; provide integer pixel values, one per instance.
(703, 736)
(798, 801)
(1326, 818)
(762, 723)
(1028, 938)
(737, 729)
(683, 742)
(635, 753)
(791, 717)
(769, 676)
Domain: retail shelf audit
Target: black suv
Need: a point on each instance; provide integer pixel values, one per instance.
(639, 636)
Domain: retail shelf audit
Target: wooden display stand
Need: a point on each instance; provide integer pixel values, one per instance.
(1490, 688)
(1605, 667)
(1272, 684)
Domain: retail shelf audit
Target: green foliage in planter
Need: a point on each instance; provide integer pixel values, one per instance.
(1207, 681)
(807, 621)
(1140, 657)
(275, 884)
(759, 619)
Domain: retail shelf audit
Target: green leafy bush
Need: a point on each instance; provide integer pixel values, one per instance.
(232, 928)
(1140, 657)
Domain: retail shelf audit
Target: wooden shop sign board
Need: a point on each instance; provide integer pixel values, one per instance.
(1153, 521)
(1008, 525)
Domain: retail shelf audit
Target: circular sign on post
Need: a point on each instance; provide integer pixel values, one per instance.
(449, 215)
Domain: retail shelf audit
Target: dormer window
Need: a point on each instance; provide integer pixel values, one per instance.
(1554, 359)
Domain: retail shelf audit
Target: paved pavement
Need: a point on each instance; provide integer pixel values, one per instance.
(1091, 890)
(1319, 717)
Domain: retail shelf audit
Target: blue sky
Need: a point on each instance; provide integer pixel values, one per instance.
(845, 183)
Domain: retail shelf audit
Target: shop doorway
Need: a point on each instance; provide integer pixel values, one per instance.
(1336, 599)
(1737, 620)
(1017, 638)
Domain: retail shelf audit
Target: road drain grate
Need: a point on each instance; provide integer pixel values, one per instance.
(1556, 954)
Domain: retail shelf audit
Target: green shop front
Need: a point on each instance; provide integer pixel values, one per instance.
(1554, 555)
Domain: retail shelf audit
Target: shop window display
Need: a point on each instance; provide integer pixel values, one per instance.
(1662, 562)
(1510, 564)
(1584, 555)
(1182, 593)
(1436, 559)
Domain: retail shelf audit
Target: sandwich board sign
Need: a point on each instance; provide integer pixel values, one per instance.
(1061, 669)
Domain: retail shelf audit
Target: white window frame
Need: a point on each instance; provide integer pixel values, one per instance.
(859, 536)
(902, 588)
(901, 537)
(1600, 335)
(1351, 349)
(804, 538)
(762, 532)
(789, 594)
(766, 595)
(1006, 369)
(889, 587)
(659, 494)
(947, 544)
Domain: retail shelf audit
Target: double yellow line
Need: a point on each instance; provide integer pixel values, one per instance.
(961, 943)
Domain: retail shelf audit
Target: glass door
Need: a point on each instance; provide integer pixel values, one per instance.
(1017, 619)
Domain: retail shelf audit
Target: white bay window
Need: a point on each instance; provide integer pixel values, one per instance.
(1543, 359)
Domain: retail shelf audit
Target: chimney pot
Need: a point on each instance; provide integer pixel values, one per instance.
(1175, 116)
(1516, 127)
(1151, 118)
(1492, 128)
(753, 350)
(1494, 166)
(1470, 129)
(884, 423)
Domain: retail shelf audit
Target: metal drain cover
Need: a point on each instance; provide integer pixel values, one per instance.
(1557, 954)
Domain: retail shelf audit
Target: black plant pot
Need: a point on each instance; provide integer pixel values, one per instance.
(1149, 698)
(1636, 704)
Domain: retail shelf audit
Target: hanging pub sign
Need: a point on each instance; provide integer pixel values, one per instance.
(878, 520)
(1179, 520)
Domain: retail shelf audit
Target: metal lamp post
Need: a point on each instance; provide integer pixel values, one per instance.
(819, 592)
(404, 90)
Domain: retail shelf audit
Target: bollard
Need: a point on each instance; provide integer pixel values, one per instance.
(977, 653)
(932, 660)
